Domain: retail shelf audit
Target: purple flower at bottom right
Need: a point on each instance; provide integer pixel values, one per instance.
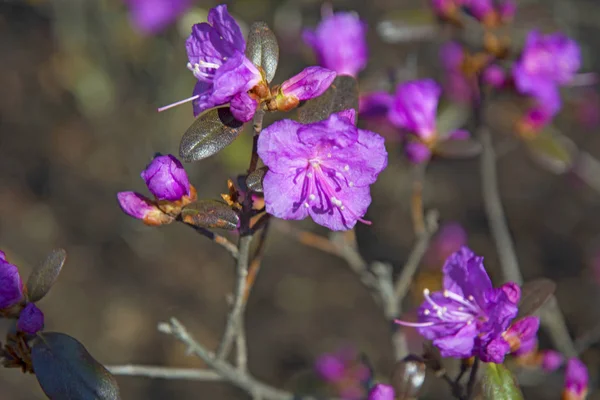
(576, 381)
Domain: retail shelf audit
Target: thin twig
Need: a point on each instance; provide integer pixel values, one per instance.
(551, 317)
(223, 368)
(417, 210)
(588, 339)
(472, 379)
(218, 239)
(155, 372)
(238, 303)
(254, 267)
(307, 238)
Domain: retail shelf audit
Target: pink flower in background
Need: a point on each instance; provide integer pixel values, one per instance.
(152, 16)
(345, 372)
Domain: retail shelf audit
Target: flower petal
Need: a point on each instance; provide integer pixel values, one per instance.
(278, 147)
(228, 29)
(243, 107)
(282, 193)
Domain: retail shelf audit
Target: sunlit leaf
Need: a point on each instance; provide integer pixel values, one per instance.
(254, 181)
(66, 371)
(553, 152)
(210, 133)
(341, 95)
(262, 48)
(534, 294)
(210, 214)
(498, 383)
(408, 377)
(43, 277)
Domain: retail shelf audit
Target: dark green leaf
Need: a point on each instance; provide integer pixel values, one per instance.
(458, 148)
(66, 371)
(498, 383)
(43, 277)
(254, 181)
(534, 294)
(210, 133)
(408, 377)
(341, 95)
(210, 214)
(262, 49)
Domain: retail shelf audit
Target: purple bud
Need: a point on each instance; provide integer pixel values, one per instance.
(551, 360)
(11, 285)
(381, 392)
(242, 107)
(311, 82)
(494, 76)
(31, 319)
(522, 335)
(417, 152)
(166, 179)
(330, 367)
(576, 380)
(375, 104)
(512, 291)
(135, 205)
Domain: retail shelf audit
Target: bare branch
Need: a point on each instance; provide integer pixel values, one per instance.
(165, 372)
(218, 239)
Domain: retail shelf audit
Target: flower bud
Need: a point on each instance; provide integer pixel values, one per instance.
(11, 285)
(551, 360)
(417, 152)
(243, 107)
(31, 319)
(512, 291)
(576, 381)
(166, 179)
(521, 335)
(381, 392)
(310, 83)
(137, 206)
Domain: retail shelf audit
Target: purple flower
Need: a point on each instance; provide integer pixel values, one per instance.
(576, 381)
(546, 62)
(522, 335)
(310, 82)
(216, 58)
(31, 319)
(382, 392)
(322, 169)
(551, 360)
(494, 76)
(340, 43)
(11, 285)
(345, 372)
(137, 206)
(468, 317)
(415, 107)
(166, 179)
(330, 367)
(375, 104)
(450, 238)
(152, 16)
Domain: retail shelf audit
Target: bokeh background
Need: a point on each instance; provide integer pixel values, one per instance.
(79, 90)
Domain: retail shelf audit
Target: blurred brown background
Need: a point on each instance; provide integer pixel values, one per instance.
(78, 123)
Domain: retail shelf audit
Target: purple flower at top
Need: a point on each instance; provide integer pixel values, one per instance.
(216, 58)
(576, 381)
(382, 392)
(322, 169)
(31, 319)
(415, 107)
(152, 16)
(166, 179)
(468, 317)
(340, 43)
(546, 62)
(11, 285)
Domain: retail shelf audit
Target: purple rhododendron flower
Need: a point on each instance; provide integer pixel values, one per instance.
(322, 169)
(31, 319)
(551, 360)
(522, 335)
(576, 380)
(382, 392)
(11, 285)
(415, 107)
(546, 62)
(137, 206)
(152, 16)
(216, 58)
(340, 43)
(166, 178)
(309, 83)
(468, 317)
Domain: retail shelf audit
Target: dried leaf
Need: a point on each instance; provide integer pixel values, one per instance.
(210, 133)
(66, 371)
(210, 214)
(262, 49)
(42, 278)
(341, 95)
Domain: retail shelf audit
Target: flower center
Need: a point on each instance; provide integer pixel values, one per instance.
(203, 71)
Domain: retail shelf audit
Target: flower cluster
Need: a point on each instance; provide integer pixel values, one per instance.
(345, 372)
(413, 109)
(322, 169)
(216, 54)
(472, 318)
(340, 43)
(13, 299)
(168, 182)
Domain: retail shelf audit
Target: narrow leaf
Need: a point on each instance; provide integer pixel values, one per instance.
(43, 277)
(66, 371)
(534, 294)
(341, 95)
(498, 383)
(262, 49)
(210, 133)
(254, 181)
(210, 214)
